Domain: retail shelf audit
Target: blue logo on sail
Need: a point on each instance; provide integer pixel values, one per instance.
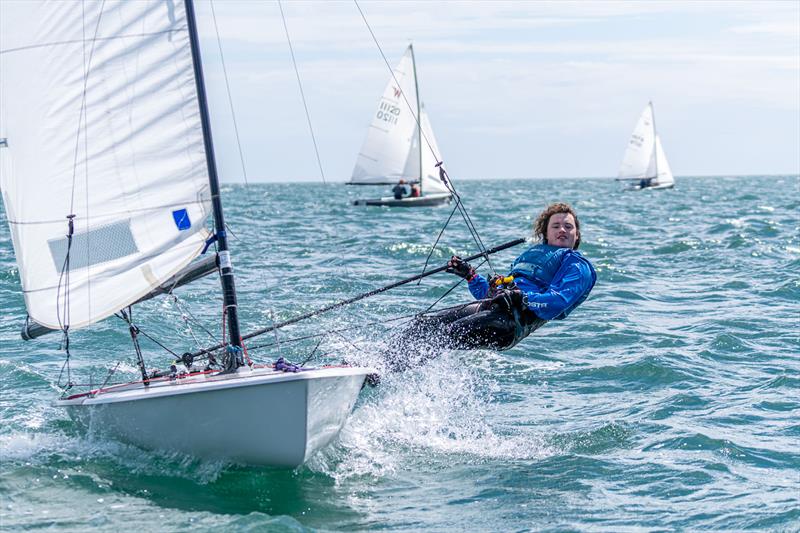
(181, 217)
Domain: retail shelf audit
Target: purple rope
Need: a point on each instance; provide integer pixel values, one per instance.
(283, 366)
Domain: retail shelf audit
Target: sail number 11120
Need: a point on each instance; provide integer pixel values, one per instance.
(388, 113)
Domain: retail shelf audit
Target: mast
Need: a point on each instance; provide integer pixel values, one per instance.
(226, 269)
(419, 116)
(655, 138)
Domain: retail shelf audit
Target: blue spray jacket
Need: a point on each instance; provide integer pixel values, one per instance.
(555, 280)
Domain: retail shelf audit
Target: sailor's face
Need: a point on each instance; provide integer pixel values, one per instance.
(561, 230)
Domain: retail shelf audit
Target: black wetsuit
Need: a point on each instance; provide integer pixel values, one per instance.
(471, 326)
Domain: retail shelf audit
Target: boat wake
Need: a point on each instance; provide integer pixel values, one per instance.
(436, 413)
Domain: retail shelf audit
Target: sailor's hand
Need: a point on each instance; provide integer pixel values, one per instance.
(509, 298)
(518, 298)
(460, 268)
(498, 284)
(495, 285)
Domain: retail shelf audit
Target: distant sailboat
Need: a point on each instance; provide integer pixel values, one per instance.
(108, 177)
(644, 162)
(397, 147)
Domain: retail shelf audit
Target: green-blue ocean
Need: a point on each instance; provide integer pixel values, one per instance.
(669, 401)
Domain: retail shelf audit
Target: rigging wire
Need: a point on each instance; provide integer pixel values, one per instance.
(451, 289)
(188, 318)
(139, 330)
(329, 332)
(443, 176)
(427, 259)
(311, 355)
(302, 93)
(465, 215)
(134, 333)
(230, 98)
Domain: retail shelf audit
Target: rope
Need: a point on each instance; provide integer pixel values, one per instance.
(68, 385)
(230, 98)
(63, 320)
(302, 93)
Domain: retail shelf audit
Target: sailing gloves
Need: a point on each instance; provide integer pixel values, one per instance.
(460, 268)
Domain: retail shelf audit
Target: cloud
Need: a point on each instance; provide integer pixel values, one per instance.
(781, 29)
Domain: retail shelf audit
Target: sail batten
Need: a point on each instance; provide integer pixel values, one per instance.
(106, 130)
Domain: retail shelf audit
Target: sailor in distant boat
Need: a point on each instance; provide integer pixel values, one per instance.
(415, 192)
(401, 190)
(547, 282)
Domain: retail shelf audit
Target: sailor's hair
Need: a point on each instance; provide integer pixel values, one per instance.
(540, 226)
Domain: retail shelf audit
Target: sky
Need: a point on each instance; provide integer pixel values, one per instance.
(513, 89)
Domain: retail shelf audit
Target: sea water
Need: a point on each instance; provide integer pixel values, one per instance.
(670, 400)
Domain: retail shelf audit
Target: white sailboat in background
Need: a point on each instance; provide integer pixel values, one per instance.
(398, 147)
(108, 178)
(644, 162)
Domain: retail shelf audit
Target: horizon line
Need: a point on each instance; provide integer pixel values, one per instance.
(345, 182)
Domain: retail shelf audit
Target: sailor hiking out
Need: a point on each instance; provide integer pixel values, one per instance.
(546, 282)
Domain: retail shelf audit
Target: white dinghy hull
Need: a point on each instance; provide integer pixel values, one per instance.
(650, 187)
(419, 201)
(254, 416)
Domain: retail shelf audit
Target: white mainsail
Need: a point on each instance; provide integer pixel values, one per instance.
(638, 154)
(391, 150)
(384, 154)
(644, 157)
(120, 148)
(101, 122)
